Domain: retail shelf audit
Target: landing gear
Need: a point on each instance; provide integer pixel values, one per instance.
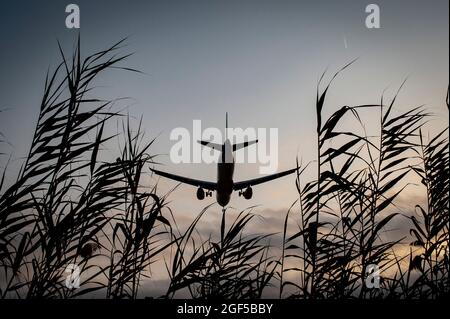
(222, 225)
(201, 193)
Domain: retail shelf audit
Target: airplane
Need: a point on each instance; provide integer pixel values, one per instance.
(225, 185)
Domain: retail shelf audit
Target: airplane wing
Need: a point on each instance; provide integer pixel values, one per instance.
(260, 180)
(194, 182)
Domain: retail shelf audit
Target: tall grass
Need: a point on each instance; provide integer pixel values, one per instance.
(65, 198)
(235, 266)
(430, 231)
(70, 204)
(345, 211)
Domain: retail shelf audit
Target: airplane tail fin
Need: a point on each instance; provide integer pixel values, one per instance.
(226, 125)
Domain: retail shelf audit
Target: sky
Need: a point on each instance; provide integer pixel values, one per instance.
(260, 61)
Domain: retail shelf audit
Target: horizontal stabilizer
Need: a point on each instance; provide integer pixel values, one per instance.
(214, 146)
(238, 146)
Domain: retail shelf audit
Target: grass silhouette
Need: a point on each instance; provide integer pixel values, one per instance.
(69, 206)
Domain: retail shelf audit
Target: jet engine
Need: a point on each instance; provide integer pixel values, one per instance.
(200, 193)
(248, 193)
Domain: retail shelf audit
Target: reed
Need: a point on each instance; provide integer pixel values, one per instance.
(71, 205)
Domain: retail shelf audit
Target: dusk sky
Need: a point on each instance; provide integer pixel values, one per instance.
(260, 61)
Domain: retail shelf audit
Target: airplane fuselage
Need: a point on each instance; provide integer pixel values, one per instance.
(224, 183)
(225, 171)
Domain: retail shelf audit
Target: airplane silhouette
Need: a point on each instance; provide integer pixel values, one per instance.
(225, 185)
